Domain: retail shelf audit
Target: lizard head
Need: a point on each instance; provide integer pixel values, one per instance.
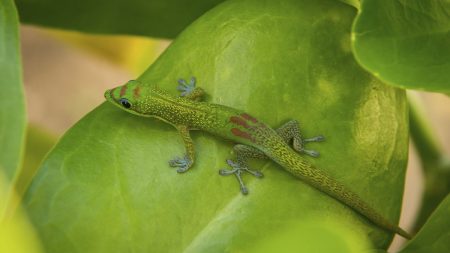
(126, 96)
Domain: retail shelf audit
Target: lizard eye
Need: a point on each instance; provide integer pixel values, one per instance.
(124, 102)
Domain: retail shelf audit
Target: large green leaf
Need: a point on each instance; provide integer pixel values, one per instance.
(405, 42)
(107, 187)
(435, 234)
(139, 17)
(12, 108)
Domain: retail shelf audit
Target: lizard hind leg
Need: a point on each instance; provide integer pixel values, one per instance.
(291, 131)
(243, 153)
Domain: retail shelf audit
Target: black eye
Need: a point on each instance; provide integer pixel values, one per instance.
(124, 102)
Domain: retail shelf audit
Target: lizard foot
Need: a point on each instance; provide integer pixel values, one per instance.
(318, 138)
(183, 164)
(185, 87)
(312, 153)
(237, 170)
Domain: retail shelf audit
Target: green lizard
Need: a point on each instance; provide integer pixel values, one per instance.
(256, 139)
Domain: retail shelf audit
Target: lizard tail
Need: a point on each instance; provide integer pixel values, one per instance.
(300, 168)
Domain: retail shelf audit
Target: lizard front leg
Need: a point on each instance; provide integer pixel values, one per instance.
(189, 91)
(243, 153)
(186, 162)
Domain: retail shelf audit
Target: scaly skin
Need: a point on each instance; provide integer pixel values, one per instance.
(257, 140)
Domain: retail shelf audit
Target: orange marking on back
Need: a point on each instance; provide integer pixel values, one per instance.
(238, 121)
(239, 133)
(123, 90)
(137, 91)
(248, 117)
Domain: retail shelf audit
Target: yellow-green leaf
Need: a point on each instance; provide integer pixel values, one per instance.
(16, 233)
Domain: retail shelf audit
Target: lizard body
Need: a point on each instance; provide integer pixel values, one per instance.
(256, 139)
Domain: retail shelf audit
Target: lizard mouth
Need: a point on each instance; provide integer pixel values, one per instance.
(109, 95)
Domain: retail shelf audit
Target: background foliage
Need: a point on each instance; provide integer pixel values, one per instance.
(405, 43)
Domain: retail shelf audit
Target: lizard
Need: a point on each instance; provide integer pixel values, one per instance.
(255, 139)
